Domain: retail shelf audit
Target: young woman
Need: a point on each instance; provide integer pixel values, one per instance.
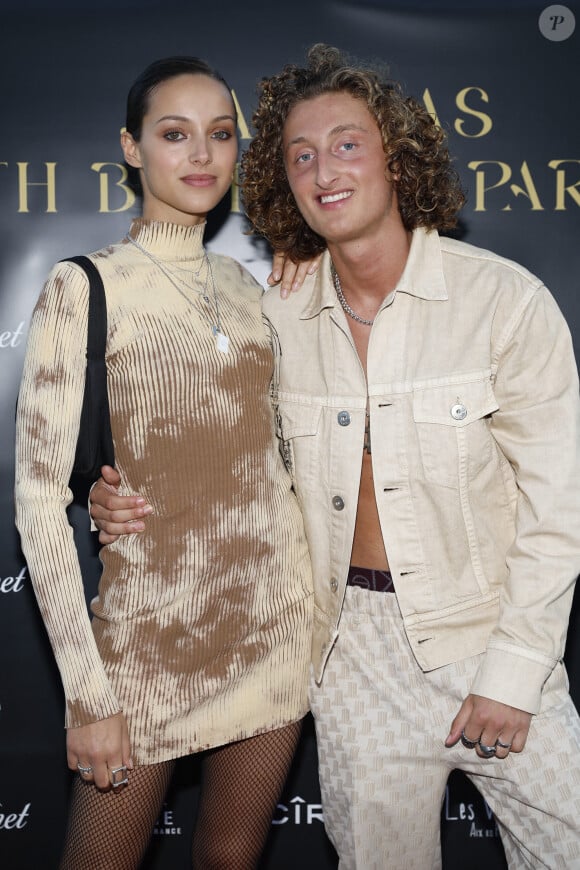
(200, 636)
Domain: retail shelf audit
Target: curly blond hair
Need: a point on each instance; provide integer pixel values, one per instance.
(428, 189)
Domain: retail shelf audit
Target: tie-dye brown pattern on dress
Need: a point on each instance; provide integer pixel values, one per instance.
(201, 628)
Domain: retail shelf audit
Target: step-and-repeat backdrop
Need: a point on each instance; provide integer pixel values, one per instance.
(502, 78)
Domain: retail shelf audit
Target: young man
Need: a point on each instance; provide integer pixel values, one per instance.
(428, 403)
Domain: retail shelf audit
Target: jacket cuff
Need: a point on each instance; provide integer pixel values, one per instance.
(511, 678)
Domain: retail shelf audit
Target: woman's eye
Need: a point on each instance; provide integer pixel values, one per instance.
(222, 134)
(174, 135)
(348, 146)
(303, 158)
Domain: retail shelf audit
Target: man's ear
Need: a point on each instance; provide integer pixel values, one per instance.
(393, 171)
(130, 150)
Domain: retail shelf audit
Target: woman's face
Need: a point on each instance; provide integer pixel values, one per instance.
(188, 148)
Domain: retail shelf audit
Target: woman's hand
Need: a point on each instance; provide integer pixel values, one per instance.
(101, 753)
(290, 275)
(115, 514)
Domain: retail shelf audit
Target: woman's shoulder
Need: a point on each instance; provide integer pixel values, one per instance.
(68, 280)
(102, 258)
(227, 269)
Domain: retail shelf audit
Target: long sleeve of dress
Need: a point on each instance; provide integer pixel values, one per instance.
(49, 409)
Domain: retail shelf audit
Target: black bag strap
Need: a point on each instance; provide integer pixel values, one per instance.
(95, 446)
(97, 327)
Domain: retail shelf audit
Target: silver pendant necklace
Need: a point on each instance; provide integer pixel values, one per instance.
(221, 340)
(345, 306)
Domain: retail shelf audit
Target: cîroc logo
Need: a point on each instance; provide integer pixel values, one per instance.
(9, 821)
(299, 813)
(13, 584)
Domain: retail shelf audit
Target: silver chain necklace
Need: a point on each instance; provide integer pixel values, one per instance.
(222, 341)
(345, 306)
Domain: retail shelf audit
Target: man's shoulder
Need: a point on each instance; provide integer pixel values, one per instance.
(291, 308)
(484, 261)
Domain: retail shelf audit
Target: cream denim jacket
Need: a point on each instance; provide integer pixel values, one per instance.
(474, 415)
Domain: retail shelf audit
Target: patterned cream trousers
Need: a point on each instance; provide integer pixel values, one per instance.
(381, 724)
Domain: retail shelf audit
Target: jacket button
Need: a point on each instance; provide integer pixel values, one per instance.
(334, 584)
(337, 503)
(343, 418)
(459, 411)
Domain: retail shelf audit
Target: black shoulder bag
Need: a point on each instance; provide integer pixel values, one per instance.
(95, 441)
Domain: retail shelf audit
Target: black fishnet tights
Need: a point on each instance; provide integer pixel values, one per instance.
(111, 830)
(241, 784)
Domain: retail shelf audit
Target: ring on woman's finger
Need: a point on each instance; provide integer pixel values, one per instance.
(469, 744)
(487, 751)
(503, 745)
(118, 776)
(84, 771)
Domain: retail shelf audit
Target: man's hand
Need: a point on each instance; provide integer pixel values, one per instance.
(482, 722)
(114, 514)
(290, 275)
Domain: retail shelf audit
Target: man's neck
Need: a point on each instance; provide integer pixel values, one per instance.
(370, 268)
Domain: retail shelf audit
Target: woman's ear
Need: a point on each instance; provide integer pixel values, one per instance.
(130, 150)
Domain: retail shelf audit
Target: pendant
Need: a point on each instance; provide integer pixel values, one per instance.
(222, 342)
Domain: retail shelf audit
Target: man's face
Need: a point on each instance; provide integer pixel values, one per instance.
(337, 170)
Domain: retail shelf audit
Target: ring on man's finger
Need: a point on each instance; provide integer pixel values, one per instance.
(118, 776)
(503, 745)
(469, 744)
(84, 771)
(487, 751)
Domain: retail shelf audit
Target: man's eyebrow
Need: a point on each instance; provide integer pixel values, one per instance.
(340, 128)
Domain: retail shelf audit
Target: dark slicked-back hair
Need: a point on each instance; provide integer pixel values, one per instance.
(428, 189)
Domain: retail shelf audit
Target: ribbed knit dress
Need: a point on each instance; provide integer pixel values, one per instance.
(202, 624)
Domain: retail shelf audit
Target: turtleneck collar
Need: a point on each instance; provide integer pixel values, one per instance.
(169, 241)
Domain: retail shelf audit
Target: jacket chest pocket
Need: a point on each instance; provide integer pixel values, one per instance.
(452, 430)
(298, 425)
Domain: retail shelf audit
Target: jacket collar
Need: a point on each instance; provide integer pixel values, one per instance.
(422, 277)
